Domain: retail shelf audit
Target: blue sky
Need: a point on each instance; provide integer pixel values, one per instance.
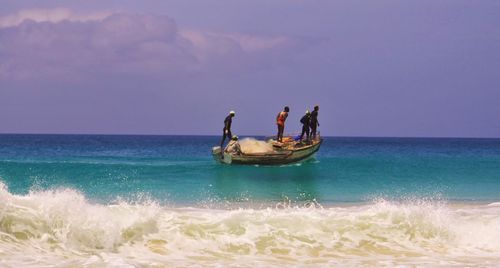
(376, 68)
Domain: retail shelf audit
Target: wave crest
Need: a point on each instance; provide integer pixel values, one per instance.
(65, 217)
(62, 226)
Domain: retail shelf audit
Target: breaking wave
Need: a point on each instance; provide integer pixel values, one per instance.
(62, 227)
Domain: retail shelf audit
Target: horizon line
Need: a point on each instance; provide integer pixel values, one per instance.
(245, 135)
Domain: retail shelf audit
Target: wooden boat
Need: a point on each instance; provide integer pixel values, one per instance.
(283, 153)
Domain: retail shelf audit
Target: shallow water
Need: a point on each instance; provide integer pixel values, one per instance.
(180, 170)
(115, 201)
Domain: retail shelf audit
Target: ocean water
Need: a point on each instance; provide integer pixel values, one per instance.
(161, 201)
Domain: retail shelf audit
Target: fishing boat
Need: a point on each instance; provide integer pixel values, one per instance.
(287, 152)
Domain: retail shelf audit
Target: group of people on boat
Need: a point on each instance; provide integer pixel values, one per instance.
(309, 123)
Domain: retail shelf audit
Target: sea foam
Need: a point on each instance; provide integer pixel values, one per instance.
(62, 227)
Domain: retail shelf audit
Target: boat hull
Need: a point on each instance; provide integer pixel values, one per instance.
(279, 157)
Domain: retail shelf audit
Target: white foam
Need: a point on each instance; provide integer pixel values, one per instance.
(61, 226)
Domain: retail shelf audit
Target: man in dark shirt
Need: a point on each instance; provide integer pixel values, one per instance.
(305, 120)
(226, 132)
(314, 121)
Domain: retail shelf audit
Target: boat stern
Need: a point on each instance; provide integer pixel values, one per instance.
(221, 157)
(217, 153)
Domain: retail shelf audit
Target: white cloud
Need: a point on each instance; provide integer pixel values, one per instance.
(61, 42)
(50, 15)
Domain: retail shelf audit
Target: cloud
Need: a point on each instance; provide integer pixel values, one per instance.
(62, 43)
(50, 15)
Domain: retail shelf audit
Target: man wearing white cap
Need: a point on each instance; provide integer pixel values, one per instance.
(226, 132)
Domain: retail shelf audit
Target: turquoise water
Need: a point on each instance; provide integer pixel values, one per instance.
(161, 201)
(180, 170)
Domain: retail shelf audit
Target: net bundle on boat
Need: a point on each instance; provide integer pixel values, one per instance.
(251, 146)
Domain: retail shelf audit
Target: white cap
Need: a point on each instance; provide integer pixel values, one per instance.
(307, 112)
(232, 112)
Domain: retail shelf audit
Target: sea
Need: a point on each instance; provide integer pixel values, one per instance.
(162, 201)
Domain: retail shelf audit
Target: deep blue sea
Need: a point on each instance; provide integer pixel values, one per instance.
(104, 200)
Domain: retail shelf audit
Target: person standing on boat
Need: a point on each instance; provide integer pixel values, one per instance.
(226, 132)
(305, 120)
(314, 121)
(280, 121)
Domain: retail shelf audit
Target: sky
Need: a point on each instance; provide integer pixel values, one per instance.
(416, 68)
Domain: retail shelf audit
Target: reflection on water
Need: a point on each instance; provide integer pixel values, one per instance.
(273, 183)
